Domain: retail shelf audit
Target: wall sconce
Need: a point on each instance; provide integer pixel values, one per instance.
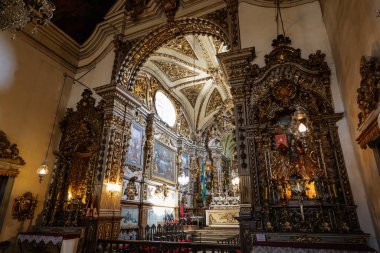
(42, 170)
(113, 188)
(235, 181)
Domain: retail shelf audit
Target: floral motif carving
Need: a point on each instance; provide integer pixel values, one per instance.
(162, 191)
(131, 190)
(174, 71)
(219, 17)
(214, 101)
(9, 152)
(24, 207)
(170, 8)
(368, 93)
(192, 93)
(135, 7)
(181, 45)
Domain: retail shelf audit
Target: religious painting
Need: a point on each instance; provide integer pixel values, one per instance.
(134, 154)
(160, 215)
(129, 223)
(185, 161)
(129, 218)
(164, 163)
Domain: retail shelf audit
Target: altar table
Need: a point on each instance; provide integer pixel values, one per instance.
(48, 242)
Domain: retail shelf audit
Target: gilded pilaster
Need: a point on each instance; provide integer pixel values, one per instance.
(119, 108)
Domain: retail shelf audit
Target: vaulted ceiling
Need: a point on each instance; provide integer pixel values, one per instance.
(188, 69)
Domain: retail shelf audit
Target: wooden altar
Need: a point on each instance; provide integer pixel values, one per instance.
(293, 180)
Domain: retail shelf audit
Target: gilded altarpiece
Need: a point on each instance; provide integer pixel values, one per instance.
(72, 186)
(289, 153)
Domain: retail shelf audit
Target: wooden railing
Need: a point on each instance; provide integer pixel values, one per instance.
(137, 246)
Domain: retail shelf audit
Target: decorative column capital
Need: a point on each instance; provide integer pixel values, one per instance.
(234, 65)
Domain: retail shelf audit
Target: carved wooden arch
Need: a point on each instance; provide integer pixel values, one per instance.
(289, 82)
(145, 47)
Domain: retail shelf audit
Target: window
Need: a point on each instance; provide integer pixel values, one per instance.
(165, 109)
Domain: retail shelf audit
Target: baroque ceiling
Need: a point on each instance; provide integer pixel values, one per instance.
(188, 69)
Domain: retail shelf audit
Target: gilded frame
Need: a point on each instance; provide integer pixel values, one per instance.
(166, 156)
(136, 161)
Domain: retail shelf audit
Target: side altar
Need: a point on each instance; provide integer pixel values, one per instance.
(293, 179)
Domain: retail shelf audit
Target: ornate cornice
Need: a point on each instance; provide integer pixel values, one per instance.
(368, 92)
(9, 153)
(369, 131)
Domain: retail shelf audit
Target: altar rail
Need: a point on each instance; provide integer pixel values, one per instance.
(115, 246)
(167, 232)
(233, 240)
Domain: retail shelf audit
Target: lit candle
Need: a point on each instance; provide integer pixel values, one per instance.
(266, 193)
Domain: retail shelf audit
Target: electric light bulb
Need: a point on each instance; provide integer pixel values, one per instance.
(302, 128)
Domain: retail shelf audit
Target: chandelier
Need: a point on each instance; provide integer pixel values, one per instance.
(16, 14)
(183, 179)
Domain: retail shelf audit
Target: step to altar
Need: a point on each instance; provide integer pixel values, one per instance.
(213, 234)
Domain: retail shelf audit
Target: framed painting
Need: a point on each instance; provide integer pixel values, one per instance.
(129, 218)
(164, 168)
(185, 161)
(134, 155)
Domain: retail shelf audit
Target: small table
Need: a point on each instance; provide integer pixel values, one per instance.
(48, 242)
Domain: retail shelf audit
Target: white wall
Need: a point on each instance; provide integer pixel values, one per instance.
(354, 31)
(305, 27)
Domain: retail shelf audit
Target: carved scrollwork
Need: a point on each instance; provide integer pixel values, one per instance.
(368, 93)
(277, 151)
(131, 190)
(9, 152)
(24, 207)
(162, 191)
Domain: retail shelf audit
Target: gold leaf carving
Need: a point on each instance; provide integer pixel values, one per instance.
(9, 152)
(214, 101)
(181, 45)
(192, 93)
(173, 71)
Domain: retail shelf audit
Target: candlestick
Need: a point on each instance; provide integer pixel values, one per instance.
(302, 214)
(334, 191)
(266, 193)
